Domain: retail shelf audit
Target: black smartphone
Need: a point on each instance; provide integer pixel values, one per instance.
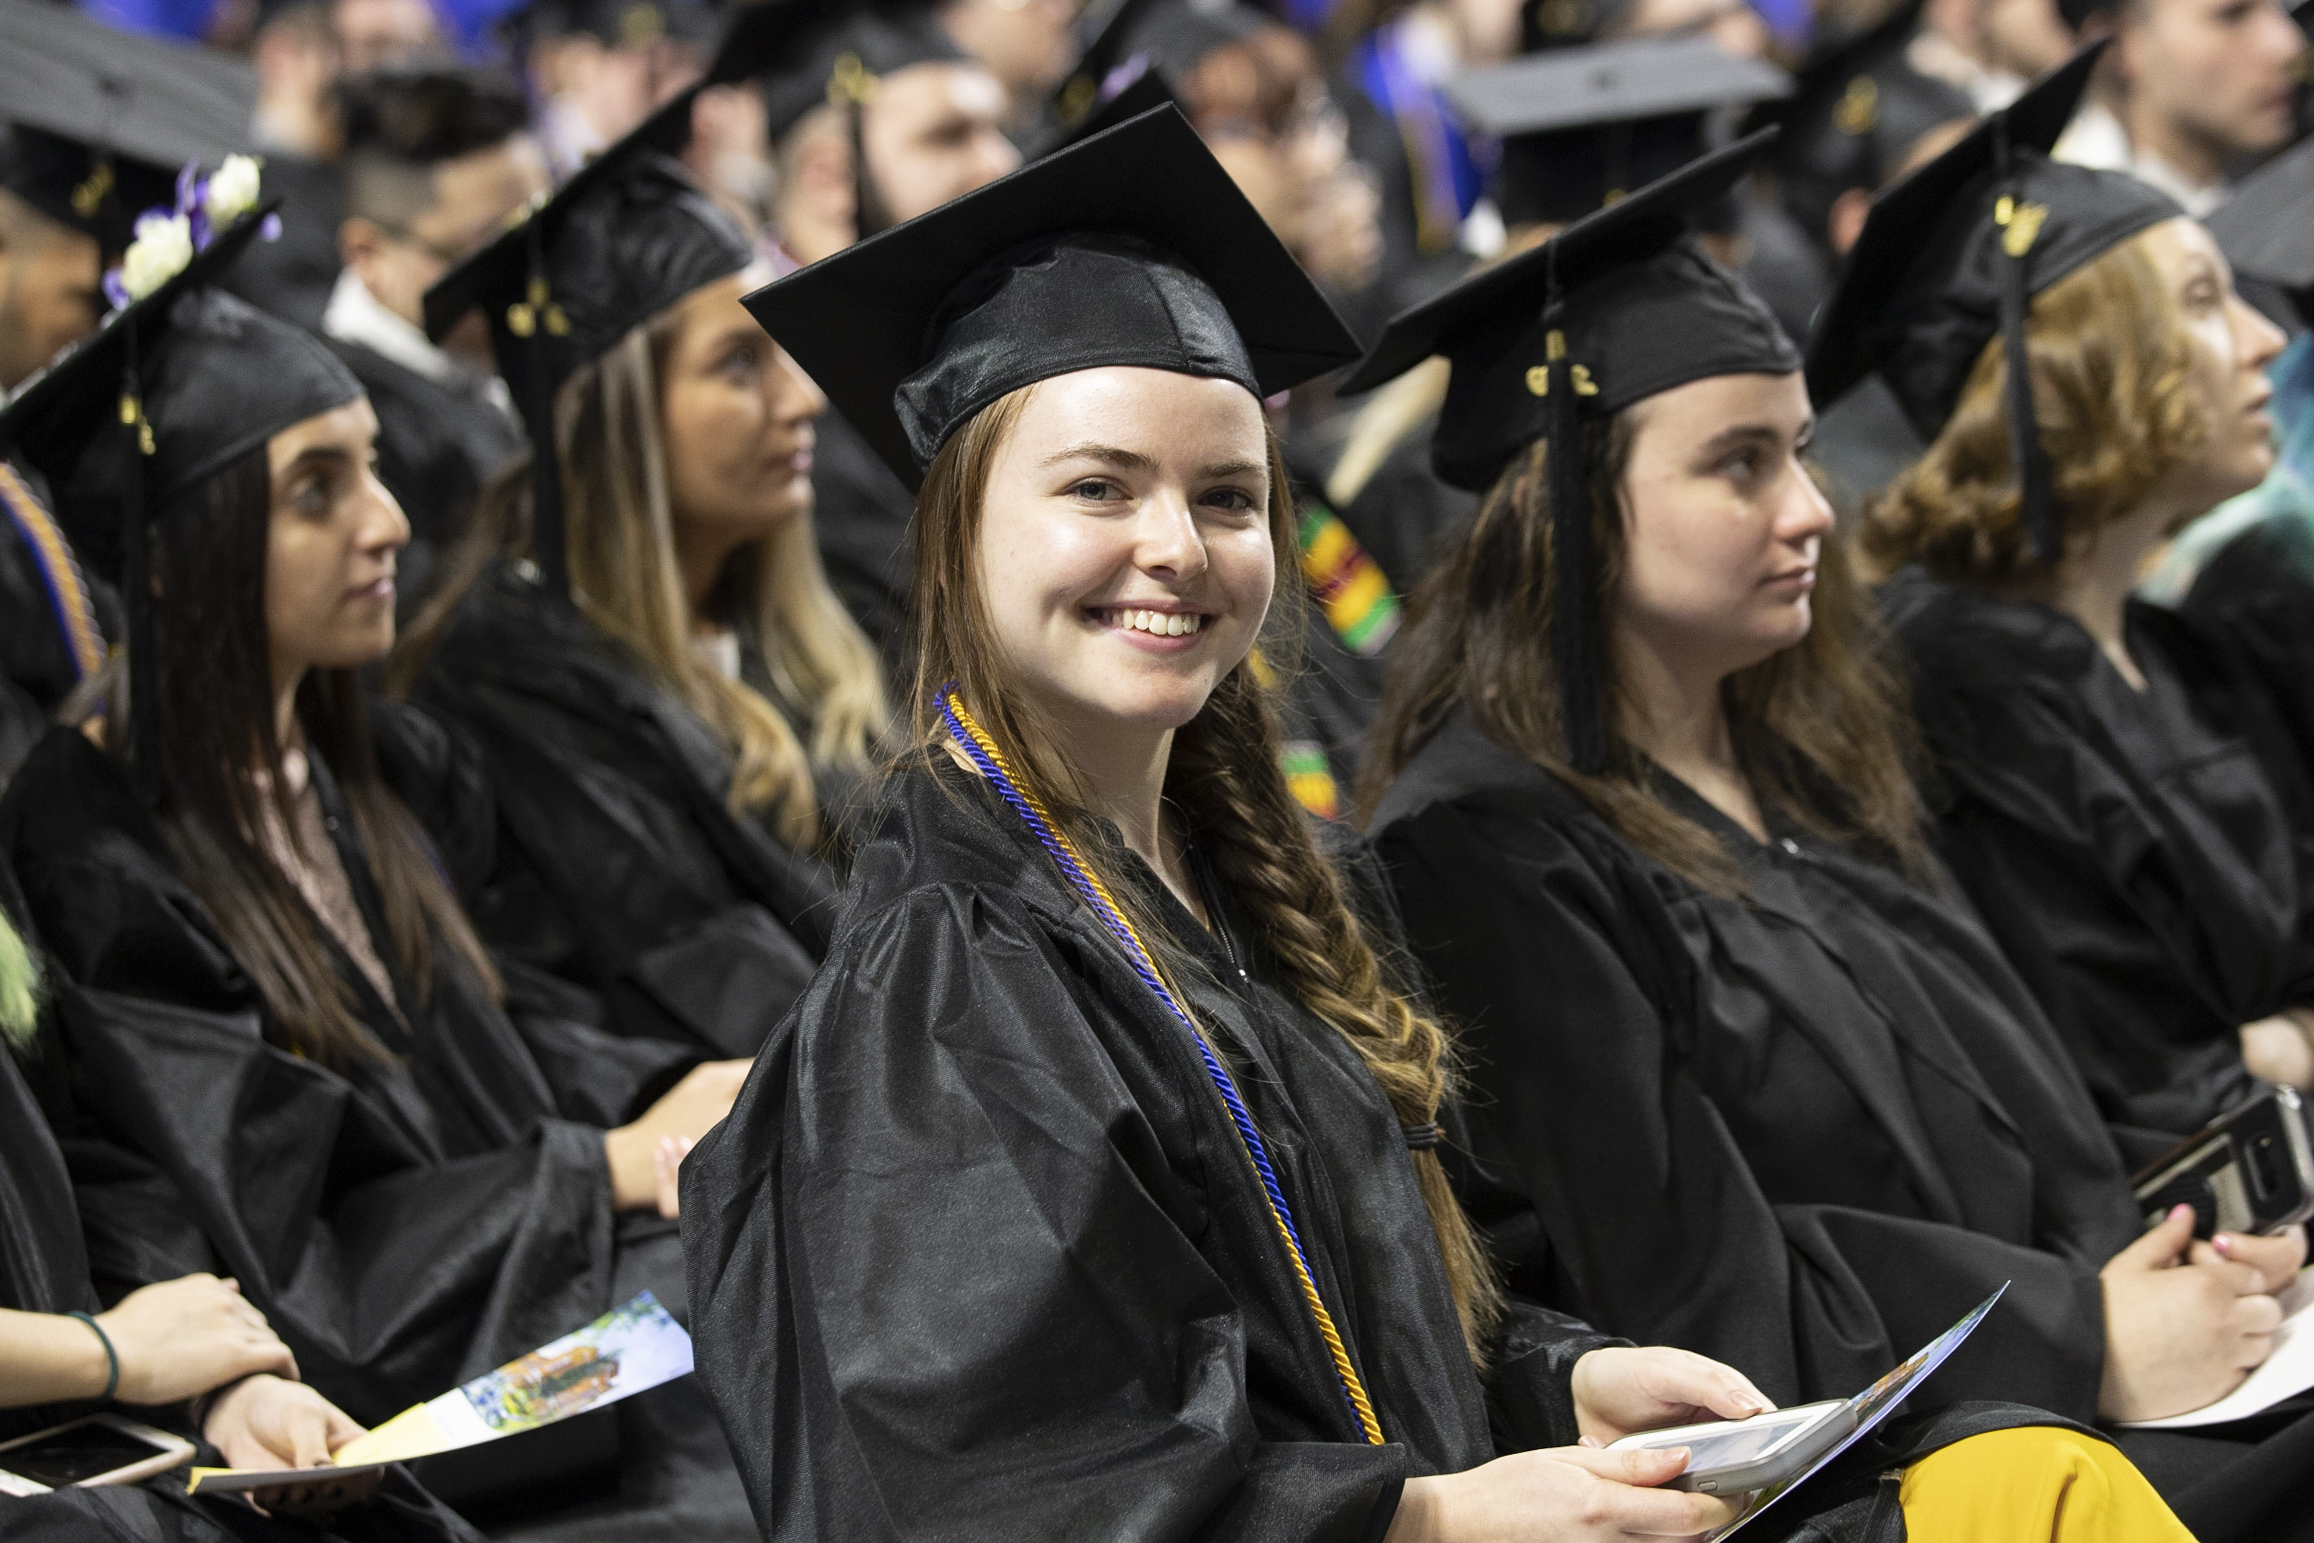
(2250, 1171)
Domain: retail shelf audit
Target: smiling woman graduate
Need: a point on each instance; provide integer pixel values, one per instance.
(1093, 1188)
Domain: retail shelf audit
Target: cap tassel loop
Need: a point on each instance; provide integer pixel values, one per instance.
(534, 320)
(2020, 225)
(1575, 623)
(145, 749)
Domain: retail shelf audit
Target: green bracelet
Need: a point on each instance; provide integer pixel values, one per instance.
(112, 1360)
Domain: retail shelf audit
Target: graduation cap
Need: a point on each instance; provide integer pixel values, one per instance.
(1102, 34)
(1618, 307)
(98, 121)
(1857, 110)
(1951, 257)
(1581, 127)
(834, 51)
(169, 391)
(2266, 230)
(1132, 248)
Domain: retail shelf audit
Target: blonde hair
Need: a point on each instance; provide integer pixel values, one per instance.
(2116, 409)
(619, 534)
(1227, 779)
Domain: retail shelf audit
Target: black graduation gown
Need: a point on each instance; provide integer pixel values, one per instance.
(2257, 593)
(1800, 1132)
(861, 514)
(618, 866)
(404, 1226)
(437, 446)
(978, 1254)
(2145, 875)
(44, 1269)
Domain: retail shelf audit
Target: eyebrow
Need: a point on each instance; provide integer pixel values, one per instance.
(317, 453)
(1134, 460)
(1729, 438)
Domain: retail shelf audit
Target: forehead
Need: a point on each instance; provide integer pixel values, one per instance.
(1162, 414)
(939, 87)
(348, 429)
(1702, 408)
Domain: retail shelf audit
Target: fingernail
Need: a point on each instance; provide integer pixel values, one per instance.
(2179, 1210)
(2223, 1244)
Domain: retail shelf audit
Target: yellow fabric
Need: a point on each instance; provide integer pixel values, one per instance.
(2034, 1484)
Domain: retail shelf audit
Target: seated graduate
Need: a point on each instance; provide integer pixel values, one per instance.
(874, 117)
(638, 637)
(287, 1058)
(73, 177)
(2095, 766)
(434, 161)
(193, 1338)
(1092, 1190)
(2247, 571)
(1745, 1080)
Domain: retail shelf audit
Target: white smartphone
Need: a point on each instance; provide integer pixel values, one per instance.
(1733, 1457)
(98, 1449)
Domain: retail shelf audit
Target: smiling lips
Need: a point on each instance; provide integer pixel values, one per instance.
(1163, 624)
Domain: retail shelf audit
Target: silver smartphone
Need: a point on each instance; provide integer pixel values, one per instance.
(1736, 1457)
(98, 1449)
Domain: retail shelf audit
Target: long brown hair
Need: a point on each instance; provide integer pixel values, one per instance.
(619, 525)
(1226, 779)
(1821, 728)
(2114, 400)
(220, 762)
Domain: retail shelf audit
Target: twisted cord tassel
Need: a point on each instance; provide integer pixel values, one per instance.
(975, 743)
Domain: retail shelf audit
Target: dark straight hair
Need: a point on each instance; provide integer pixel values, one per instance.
(219, 765)
(1823, 728)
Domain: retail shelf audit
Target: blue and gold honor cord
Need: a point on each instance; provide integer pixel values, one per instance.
(59, 574)
(975, 743)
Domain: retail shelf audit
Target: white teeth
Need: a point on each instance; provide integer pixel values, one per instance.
(1163, 624)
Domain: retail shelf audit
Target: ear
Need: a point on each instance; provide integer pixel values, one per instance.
(358, 241)
(1845, 223)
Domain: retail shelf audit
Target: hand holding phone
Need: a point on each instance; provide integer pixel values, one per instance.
(1626, 1389)
(2251, 1170)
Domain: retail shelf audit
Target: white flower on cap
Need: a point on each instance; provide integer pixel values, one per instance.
(232, 191)
(163, 245)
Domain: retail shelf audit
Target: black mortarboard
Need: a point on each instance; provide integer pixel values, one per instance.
(1618, 307)
(99, 121)
(168, 392)
(1132, 248)
(833, 51)
(1581, 127)
(1857, 111)
(1102, 34)
(1951, 257)
(2266, 229)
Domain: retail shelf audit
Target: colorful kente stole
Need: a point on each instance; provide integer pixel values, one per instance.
(975, 743)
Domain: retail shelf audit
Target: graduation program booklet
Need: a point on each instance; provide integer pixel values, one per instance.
(1870, 1407)
(633, 1347)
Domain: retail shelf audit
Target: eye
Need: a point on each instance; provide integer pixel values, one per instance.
(309, 495)
(741, 359)
(1234, 500)
(1096, 490)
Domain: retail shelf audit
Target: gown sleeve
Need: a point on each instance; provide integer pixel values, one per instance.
(1575, 1024)
(946, 1271)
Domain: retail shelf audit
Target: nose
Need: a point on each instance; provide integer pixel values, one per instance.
(383, 527)
(795, 396)
(2256, 340)
(1806, 514)
(1166, 541)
